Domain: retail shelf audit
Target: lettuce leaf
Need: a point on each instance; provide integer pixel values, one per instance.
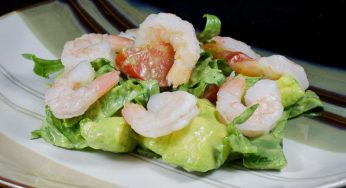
(101, 66)
(269, 155)
(104, 69)
(237, 141)
(99, 62)
(54, 132)
(250, 81)
(206, 72)
(310, 105)
(212, 28)
(264, 152)
(130, 90)
(44, 67)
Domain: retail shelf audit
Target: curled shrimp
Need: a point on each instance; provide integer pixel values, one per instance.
(265, 93)
(166, 112)
(228, 43)
(72, 94)
(129, 33)
(170, 29)
(89, 47)
(272, 67)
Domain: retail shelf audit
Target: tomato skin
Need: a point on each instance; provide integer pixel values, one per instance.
(210, 93)
(128, 62)
(229, 56)
(147, 63)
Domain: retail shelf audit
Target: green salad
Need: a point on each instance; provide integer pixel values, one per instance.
(121, 94)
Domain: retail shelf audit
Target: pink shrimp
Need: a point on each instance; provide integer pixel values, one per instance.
(72, 94)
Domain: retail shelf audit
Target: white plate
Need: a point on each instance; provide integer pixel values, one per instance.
(315, 151)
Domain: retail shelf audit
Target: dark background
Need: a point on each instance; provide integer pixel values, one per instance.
(309, 30)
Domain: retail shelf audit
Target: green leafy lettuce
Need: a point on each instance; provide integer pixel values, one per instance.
(54, 132)
(269, 153)
(101, 66)
(263, 152)
(296, 101)
(212, 28)
(250, 81)
(310, 104)
(207, 71)
(238, 142)
(130, 90)
(44, 67)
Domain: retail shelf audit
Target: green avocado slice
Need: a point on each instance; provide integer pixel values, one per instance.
(109, 134)
(200, 146)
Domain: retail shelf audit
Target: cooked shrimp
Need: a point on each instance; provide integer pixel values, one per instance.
(168, 28)
(272, 67)
(229, 98)
(228, 43)
(265, 93)
(72, 94)
(90, 47)
(166, 112)
(130, 34)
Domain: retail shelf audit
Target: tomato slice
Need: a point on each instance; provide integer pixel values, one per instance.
(127, 61)
(147, 63)
(229, 56)
(210, 93)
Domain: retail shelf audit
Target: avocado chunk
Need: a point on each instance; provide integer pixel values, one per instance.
(290, 90)
(200, 146)
(109, 134)
(157, 145)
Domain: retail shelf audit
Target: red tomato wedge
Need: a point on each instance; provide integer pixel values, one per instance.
(210, 93)
(147, 63)
(227, 55)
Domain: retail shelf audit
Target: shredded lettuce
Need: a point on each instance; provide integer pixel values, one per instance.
(250, 81)
(104, 69)
(44, 67)
(36, 134)
(70, 122)
(54, 132)
(263, 152)
(206, 72)
(130, 90)
(310, 105)
(238, 142)
(101, 66)
(212, 28)
(269, 155)
(99, 62)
